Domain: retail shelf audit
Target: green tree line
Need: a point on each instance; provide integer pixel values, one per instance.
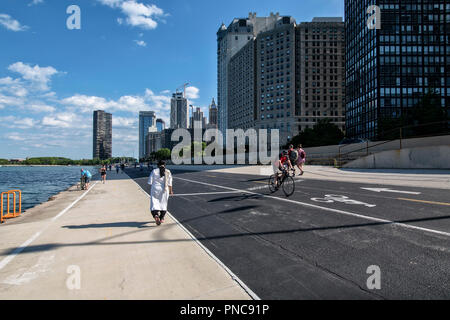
(59, 161)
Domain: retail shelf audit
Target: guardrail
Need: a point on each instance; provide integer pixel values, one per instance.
(10, 213)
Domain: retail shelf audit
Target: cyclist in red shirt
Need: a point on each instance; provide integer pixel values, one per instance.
(282, 164)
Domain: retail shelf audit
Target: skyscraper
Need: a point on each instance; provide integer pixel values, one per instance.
(179, 112)
(102, 135)
(213, 115)
(390, 69)
(320, 72)
(230, 40)
(242, 88)
(198, 117)
(160, 125)
(289, 77)
(147, 120)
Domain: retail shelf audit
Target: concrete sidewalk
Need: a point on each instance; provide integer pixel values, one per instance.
(109, 239)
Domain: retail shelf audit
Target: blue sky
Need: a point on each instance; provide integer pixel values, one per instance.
(128, 56)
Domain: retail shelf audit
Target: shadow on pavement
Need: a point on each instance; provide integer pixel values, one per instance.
(52, 246)
(112, 225)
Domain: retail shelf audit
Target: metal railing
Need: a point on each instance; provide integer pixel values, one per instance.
(10, 213)
(401, 133)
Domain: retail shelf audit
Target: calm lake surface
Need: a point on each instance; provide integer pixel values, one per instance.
(39, 183)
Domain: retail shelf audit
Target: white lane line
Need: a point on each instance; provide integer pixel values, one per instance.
(249, 291)
(18, 250)
(407, 226)
(203, 194)
(390, 190)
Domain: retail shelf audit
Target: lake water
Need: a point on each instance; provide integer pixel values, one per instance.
(39, 183)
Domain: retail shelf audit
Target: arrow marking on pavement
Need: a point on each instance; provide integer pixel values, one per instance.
(390, 190)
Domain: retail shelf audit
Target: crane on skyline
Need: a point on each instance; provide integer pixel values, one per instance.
(184, 89)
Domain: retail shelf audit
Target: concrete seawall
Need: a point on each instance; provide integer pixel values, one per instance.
(435, 157)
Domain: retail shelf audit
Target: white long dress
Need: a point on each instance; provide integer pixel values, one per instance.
(159, 194)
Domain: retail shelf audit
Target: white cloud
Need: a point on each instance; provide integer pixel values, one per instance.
(65, 120)
(141, 43)
(13, 86)
(137, 14)
(15, 137)
(39, 77)
(18, 123)
(192, 93)
(129, 103)
(35, 2)
(111, 3)
(11, 24)
(39, 107)
(121, 122)
(11, 101)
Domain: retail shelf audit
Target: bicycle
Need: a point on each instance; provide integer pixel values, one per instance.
(82, 184)
(285, 181)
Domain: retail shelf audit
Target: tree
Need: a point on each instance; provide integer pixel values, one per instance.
(427, 117)
(324, 133)
(163, 154)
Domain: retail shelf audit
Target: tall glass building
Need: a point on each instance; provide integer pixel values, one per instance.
(147, 120)
(388, 70)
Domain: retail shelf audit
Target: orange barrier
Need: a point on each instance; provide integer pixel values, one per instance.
(15, 212)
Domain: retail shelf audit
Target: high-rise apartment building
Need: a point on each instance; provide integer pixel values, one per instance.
(275, 79)
(147, 123)
(390, 69)
(320, 73)
(179, 112)
(102, 135)
(241, 88)
(229, 41)
(289, 77)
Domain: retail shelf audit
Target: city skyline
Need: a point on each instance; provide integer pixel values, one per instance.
(52, 78)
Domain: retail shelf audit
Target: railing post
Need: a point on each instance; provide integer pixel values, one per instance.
(367, 148)
(339, 158)
(401, 138)
(1, 211)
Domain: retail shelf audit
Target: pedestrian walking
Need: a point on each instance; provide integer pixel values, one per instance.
(301, 158)
(161, 187)
(103, 173)
(117, 169)
(122, 167)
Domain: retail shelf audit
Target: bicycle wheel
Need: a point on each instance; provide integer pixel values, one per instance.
(288, 186)
(273, 184)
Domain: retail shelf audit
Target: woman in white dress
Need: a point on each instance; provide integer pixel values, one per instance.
(161, 181)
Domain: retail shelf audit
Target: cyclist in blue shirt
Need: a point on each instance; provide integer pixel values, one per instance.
(88, 176)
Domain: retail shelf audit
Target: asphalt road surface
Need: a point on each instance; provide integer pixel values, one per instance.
(320, 242)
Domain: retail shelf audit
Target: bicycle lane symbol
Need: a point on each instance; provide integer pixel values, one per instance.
(331, 198)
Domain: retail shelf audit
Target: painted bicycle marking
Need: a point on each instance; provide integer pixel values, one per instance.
(331, 198)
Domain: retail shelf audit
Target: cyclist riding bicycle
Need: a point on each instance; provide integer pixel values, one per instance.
(282, 165)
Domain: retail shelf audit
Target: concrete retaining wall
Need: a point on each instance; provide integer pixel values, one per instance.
(333, 151)
(435, 157)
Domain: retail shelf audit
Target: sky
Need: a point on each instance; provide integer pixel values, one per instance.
(128, 56)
